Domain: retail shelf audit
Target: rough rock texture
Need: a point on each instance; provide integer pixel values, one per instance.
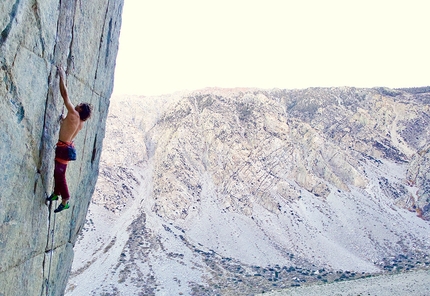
(259, 146)
(36, 246)
(236, 192)
(419, 175)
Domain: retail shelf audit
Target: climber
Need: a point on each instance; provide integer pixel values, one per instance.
(65, 151)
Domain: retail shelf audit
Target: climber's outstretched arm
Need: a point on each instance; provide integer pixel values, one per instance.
(63, 91)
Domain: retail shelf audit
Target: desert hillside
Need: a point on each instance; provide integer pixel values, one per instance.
(240, 191)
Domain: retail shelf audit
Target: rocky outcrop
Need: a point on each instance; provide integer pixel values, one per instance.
(36, 35)
(258, 145)
(419, 175)
(240, 191)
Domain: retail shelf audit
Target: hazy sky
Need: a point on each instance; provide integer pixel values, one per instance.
(172, 45)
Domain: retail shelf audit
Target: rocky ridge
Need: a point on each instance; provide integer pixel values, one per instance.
(240, 191)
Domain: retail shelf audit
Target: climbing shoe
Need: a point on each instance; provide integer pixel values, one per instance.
(61, 207)
(52, 197)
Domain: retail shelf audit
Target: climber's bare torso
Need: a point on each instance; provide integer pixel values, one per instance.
(71, 124)
(70, 128)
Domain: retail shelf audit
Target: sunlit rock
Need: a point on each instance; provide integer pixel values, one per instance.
(36, 36)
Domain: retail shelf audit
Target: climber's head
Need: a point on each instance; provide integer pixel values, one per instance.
(84, 110)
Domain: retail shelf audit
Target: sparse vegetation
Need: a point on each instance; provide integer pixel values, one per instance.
(318, 161)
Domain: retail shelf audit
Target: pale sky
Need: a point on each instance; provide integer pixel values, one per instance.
(174, 45)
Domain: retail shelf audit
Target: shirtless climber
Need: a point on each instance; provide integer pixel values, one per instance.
(65, 151)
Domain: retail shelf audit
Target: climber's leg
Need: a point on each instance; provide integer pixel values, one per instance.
(60, 181)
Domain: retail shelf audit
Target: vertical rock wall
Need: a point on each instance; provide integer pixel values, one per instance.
(36, 246)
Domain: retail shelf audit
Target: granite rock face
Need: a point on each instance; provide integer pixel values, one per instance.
(36, 246)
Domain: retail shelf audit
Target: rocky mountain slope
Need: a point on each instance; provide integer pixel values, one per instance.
(240, 191)
(36, 247)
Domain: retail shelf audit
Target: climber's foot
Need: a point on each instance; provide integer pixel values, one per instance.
(52, 197)
(61, 207)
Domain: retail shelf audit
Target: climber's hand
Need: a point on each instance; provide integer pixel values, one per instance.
(61, 72)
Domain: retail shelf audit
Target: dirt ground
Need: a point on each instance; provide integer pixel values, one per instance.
(416, 283)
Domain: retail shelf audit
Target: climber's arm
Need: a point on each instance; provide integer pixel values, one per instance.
(63, 91)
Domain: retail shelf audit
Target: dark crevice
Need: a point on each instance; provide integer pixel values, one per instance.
(11, 88)
(39, 26)
(70, 56)
(72, 225)
(65, 29)
(111, 31)
(19, 110)
(41, 167)
(35, 187)
(108, 41)
(46, 265)
(17, 106)
(5, 33)
(93, 156)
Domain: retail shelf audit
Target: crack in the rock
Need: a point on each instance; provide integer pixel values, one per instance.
(39, 26)
(6, 31)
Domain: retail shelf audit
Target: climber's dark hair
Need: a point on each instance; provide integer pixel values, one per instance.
(85, 111)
